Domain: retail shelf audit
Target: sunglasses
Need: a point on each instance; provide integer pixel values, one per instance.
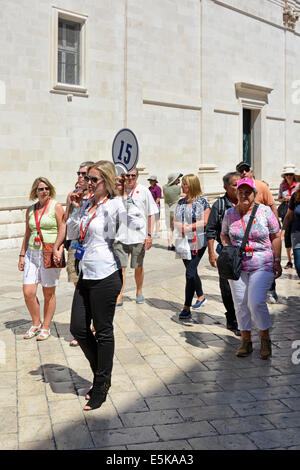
(241, 170)
(93, 179)
(289, 174)
(81, 173)
(130, 176)
(46, 188)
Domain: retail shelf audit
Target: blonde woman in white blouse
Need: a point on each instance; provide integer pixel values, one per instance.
(100, 276)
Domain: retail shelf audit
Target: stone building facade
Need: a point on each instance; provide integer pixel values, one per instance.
(203, 84)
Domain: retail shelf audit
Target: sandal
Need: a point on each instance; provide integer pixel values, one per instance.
(44, 334)
(98, 396)
(33, 331)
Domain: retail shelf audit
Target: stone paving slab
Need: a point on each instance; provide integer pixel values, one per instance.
(175, 386)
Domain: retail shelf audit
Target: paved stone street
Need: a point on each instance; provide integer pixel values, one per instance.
(176, 385)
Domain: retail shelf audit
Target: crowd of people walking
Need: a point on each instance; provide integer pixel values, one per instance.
(109, 219)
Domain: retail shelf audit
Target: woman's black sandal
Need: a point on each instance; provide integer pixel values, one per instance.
(98, 395)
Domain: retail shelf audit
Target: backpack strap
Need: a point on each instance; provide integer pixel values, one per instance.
(221, 208)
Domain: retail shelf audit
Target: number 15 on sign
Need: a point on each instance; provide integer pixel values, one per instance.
(125, 150)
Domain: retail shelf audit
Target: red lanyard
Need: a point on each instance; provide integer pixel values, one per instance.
(244, 225)
(37, 219)
(84, 232)
(132, 191)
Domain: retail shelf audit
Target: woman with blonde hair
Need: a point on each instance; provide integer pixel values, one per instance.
(43, 220)
(191, 215)
(292, 219)
(100, 276)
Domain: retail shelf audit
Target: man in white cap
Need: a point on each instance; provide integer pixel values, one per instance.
(171, 192)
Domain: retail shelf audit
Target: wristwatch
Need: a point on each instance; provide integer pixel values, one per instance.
(149, 235)
(277, 259)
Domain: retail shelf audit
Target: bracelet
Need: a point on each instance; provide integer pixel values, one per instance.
(277, 259)
(22, 256)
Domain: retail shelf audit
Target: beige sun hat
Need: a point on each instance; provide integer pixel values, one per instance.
(153, 178)
(288, 168)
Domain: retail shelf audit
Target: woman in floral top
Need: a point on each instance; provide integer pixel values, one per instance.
(261, 263)
(191, 215)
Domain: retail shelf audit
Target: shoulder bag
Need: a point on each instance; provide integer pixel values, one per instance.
(48, 258)
(282, 209)
(230, 259)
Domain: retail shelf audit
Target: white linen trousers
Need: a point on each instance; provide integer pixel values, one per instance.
(249, 295)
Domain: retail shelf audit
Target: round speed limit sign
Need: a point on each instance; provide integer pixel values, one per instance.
(125, 151)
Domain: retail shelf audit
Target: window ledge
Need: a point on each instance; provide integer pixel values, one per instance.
(64, 89)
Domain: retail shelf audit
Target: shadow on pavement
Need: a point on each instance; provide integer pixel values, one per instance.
(62, 379)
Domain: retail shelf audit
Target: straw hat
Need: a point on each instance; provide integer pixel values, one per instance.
(288, 168)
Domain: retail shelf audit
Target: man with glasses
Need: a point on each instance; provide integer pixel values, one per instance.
(81, 185)
(135, 238)
(263, 196)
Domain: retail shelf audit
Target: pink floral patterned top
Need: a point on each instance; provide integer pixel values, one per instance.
(264, 224)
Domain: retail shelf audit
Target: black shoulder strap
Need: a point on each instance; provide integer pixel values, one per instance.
(249, 225)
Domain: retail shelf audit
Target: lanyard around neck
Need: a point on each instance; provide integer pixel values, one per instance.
(132, 192)
(84, 232)
(37, 219)
(244, 226)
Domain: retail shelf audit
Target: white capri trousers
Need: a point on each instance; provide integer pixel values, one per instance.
(35, 273)
(249, 295)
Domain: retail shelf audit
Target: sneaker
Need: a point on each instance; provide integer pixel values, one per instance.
(184, 314)
(245, 348)
(288, 265)
(265, 348)
(272, 297)
(140, 299)
(199, 303)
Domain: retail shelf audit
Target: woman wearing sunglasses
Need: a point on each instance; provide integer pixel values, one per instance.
(100, 278)
(43, 220)
(287, 188)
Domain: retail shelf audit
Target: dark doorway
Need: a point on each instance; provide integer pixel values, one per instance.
(247, 136)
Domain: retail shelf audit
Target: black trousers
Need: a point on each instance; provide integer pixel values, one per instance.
(96, 300)
(227, 300)
(192, 280)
